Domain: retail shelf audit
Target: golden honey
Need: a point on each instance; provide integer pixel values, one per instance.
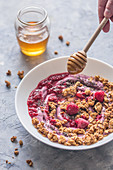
(32, 35)
(32, 44)
(33, 49)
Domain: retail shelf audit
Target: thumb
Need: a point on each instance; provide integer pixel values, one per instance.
(109, 9)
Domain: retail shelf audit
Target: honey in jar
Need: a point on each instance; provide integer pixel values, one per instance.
(32, 35)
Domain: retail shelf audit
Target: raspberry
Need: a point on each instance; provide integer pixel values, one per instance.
(72, 108)
(53, 98)
(81, 95)
(72, 124)
(99, 95)
(81, 123)
(98, 117)
(53, 121)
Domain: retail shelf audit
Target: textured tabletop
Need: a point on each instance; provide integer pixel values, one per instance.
(76, 20)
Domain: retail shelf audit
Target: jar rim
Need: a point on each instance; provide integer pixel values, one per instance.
(20, 12)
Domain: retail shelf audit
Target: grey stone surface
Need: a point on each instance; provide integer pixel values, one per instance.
(76, 21)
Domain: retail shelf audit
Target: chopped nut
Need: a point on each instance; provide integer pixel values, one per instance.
(35, 121)
(52, 113)
(98, 107)
(93, 114)
(52, 105)
(69, 91)
(8, 84)
(106, 99)
(62, 139)
(97, 78)
(67, 144)
(55, 52)
(100, 137)
(13, 139)
(54, 138)
(20, 74)
(67, 43)
(87, 92)
(111, 94)
(111, 123)
(8, 72)
(58, 124)
(16, 152)
(21, 142)
(50, 135)
(71, 141)
(60, 37)
(80, 131)
(79, 141)
(29, 162)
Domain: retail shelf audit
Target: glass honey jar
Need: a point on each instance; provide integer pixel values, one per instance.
(32, 28)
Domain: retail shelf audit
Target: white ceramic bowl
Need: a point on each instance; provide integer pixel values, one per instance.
(30, 81)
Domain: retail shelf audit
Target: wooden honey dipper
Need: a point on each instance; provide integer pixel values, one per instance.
(77, 61)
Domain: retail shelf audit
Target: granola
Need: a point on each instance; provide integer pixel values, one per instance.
(20, 74)
(8, 73)
(72, 110)
(8, 84)
(67, 43)
(55, 52)
(29, 162)
(13, 138)
(60, 37)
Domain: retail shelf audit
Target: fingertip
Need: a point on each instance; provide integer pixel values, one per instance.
(111, 19)
(106, 27)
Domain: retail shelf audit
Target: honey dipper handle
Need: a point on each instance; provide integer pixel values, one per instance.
(96, 33)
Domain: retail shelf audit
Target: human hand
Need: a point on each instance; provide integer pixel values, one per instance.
(105, 9)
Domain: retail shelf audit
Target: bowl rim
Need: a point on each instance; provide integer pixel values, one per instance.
(53, 144)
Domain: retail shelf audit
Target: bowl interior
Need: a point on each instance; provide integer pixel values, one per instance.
(30, 81)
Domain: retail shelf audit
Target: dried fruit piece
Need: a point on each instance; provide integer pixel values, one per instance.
(81, 123)
(72, 109)
(29, 162)
(99, 95)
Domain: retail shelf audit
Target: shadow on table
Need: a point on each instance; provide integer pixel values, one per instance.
(49, 158)
(33, 61)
